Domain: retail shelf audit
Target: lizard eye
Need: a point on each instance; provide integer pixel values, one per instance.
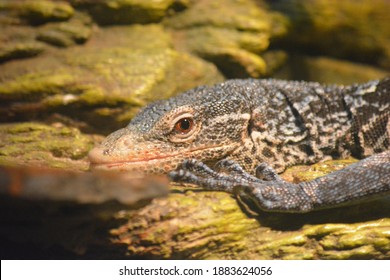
(184, 125)
(183, 128)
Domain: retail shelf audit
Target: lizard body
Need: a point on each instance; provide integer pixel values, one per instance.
(247, 123)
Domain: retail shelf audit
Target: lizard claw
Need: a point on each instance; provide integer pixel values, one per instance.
(234, 170)
(196, 172)
(183, 176)
(267, 173)
(197, 167)
(227, 166)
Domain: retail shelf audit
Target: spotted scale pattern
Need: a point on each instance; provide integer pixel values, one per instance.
(254, 122)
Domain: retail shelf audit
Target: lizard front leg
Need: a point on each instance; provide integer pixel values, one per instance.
(358, 181)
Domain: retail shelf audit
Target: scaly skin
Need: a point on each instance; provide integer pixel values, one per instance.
(251, 122)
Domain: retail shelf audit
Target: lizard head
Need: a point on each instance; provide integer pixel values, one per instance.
(204, 123)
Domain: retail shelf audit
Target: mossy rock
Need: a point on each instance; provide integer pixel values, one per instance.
(339, 28)
(36, 144)
(111, 78)
(38, 12)
(324, 69)
(196, 224)
(16, 50)
(28, 26)
(239, 15)
(230, 34)
(77, 30)
(234, 52)
(109, 12)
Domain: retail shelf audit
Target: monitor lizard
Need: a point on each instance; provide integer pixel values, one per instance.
(238, 135)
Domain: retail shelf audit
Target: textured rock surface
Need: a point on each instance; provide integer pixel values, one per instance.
(340, 28)
(109, 12)
(231, 34)
(197, 224)
(104, 83)
(324, 69)
(34, 144)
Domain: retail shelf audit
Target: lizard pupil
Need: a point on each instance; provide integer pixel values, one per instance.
(184, 125)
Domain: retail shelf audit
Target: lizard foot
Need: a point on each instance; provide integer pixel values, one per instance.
(196, 172)
(272, 194)
(267, 173)
(233, 169)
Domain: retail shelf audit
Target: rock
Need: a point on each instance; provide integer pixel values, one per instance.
(231, 34)
(275, 60)
(59, 186)
(64, 34)
(36, 144)
(16, 50)
(339, 28)
(109, 12)
(300, 173)
(39, 12)
(193, 224)
(326, 70)
(30, 24)
(121, 69)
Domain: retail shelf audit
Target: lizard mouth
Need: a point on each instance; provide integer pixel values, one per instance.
(97, 160)
(151, 161)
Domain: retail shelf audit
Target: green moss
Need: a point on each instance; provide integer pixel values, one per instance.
(240, 15)
(55, 37)
(64, 34)
(50, 146)
(38, 12)
(328, 70)
(106, 82)
(307, 173)
(195, 224)
(230, 34)
(14, 50)
(128, 11)
(35, 85)
(340, 28)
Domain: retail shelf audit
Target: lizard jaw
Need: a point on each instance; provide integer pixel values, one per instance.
(138, 163)
(152, 161)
